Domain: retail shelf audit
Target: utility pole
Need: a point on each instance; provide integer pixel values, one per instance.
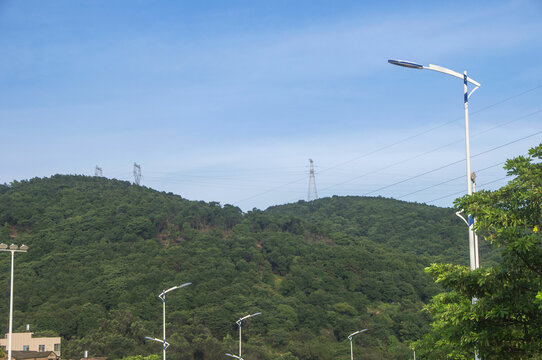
(137, 174)
(312, 183)
(98, 171)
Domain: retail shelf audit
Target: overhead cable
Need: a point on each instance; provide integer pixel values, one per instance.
(450, 164)
(447, 181)
(462, 192)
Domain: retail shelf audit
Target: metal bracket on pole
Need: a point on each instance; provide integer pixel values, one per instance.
(460, 215)
(473, 90)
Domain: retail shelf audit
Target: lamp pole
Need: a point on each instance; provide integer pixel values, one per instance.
(163, 297)
(350, 338)
(473, 239)
(13, 249)
(239, 323)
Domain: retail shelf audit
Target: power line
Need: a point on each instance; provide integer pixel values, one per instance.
(507, 123)
(507, 99)
(402, 141)
(414, 177)
(461, 192)
(431, 151)
(218, 181)
(450, 164)
(447, 181)
(268, 191)
(433, 128)
(508, 143)
(215, 184)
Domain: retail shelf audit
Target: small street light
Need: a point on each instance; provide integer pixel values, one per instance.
(350, 338)
(164, 344)
(235, 356)
(239, 323)
(162, 296)
(13, 249)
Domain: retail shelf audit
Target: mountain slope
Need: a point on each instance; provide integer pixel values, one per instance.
(436, 234)
(100, 251)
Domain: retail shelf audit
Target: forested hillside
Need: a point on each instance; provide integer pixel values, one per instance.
(435, 233)
(101, 250)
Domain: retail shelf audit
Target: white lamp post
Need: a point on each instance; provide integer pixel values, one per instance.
(163, 297)
(13, 249)
(350, 338)
(473, 241)
(239, 323)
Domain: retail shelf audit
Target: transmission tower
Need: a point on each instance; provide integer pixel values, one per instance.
(137, 174)
(98, 171)
(312, 183)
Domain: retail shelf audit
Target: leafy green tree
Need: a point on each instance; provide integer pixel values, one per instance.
(505, 322)
(141, 357)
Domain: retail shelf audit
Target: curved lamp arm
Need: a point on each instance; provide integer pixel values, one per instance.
(246, 317)
(165, 343)
(469, 220)
(163, 293)
(355, 333)
(413, 65)
(459, 214)
(234, 356)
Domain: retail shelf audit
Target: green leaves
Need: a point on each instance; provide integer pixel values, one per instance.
(504, 321)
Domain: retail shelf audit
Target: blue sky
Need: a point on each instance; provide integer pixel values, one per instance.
(227, 101)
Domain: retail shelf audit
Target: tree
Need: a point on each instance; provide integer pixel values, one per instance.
(505, 322)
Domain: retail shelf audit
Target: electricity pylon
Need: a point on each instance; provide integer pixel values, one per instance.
(137, 174)
(312, 183)
(98, 171)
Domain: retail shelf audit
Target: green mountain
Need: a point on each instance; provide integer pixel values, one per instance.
(101, 250)
(436, 234)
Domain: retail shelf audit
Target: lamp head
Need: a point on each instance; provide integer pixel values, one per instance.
(13, 247)
(404, 63)
(3, 246)
(23, 247)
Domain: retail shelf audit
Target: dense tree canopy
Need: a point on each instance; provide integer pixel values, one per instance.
(505, 320)
(101, 250)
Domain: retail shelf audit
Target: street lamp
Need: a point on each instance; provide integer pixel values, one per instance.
(473, 241)
(239, 323)
(350, 338)
(163, 297)
(235, 356)
(164, 343)
(13, 249)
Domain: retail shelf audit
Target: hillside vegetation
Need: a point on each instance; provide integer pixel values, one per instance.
(101, 250)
